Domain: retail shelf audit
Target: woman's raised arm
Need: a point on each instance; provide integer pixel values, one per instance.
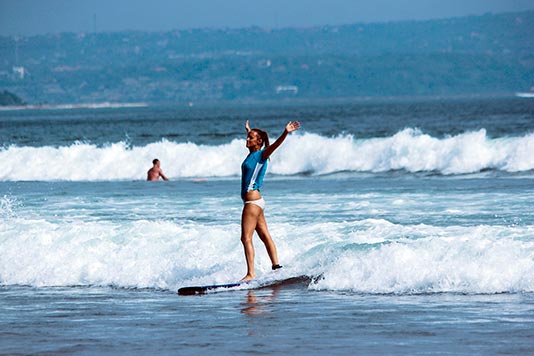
(290, 127)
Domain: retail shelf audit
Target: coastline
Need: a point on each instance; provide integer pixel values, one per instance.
(104, 105)
(270, 102)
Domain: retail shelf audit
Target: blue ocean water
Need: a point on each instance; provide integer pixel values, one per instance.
(414, 216)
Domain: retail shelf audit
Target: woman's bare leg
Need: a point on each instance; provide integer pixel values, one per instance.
(249, 220)
(265, 236)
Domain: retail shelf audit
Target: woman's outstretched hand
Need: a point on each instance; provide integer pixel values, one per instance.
(292, 126)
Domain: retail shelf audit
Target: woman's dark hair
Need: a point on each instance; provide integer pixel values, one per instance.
(263, 135)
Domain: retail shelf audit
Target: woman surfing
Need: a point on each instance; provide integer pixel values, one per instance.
(253, 170)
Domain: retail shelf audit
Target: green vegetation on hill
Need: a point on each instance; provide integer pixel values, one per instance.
(7, 98)
(490, 54)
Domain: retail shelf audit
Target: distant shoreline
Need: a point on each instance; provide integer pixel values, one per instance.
(268, 102)
(525, 95)
(105, 105)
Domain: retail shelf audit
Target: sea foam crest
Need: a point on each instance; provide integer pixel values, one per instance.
(377, 256)
(435, 265)
(409, 150)
(153, 254)
(8, 204)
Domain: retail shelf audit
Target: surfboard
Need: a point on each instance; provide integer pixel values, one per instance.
(296, 281)
(205, 289)
(253, 284)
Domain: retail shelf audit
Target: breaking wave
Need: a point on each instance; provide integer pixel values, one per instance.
(409, 150)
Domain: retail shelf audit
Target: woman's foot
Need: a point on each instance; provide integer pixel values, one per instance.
(248, 277)
(275, 267)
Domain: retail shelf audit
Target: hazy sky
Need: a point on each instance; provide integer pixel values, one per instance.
(29, 17)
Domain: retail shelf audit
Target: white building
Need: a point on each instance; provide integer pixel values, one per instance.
(20, 71)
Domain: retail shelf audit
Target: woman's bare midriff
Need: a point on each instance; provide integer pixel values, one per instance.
(252, 195)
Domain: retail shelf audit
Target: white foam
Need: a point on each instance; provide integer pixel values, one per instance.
(368, 256)
(8, 206)
(483, 259)
(87, 162)
(409, 150)
(155, 254)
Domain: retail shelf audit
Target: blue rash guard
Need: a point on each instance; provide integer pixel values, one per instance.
(253, 170)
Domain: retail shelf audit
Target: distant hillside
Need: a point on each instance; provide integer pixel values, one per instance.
(490, 54)
(10, 99)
